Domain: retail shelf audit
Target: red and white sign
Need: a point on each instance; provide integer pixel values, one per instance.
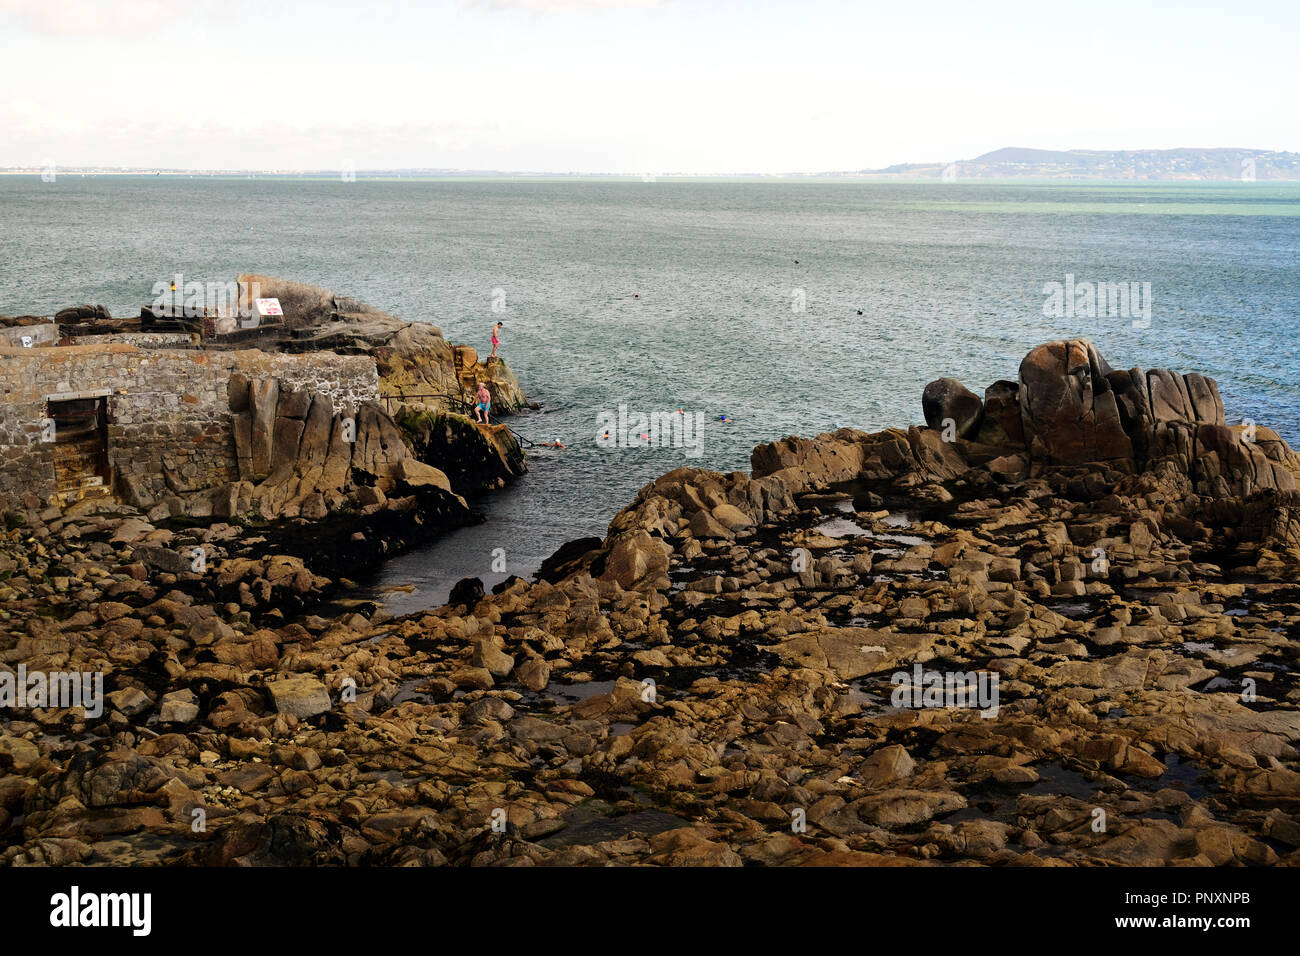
(268, 307)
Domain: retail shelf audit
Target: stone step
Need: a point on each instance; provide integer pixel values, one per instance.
(70, 481)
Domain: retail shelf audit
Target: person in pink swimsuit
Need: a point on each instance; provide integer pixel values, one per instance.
(496, 341)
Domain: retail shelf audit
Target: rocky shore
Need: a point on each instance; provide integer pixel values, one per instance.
(727, 677)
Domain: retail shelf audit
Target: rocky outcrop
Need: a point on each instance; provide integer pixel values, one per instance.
(81, 313)
(413, 357)
(804, 463)
(1180, 419)
(1068, 409)
(914, 457)
(299, 457)
(1075, 409)
(877, 649)
(475, 457)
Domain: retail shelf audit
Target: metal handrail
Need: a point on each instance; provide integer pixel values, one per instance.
(459, 400)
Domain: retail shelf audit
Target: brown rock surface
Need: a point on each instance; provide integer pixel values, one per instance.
(1068, 409)
(713, 683)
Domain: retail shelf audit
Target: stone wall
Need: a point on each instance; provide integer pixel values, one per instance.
(148, 340)
(169, 421)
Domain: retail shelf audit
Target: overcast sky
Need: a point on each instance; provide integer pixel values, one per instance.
(637, 86)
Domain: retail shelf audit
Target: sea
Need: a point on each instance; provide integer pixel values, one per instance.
(751, 309)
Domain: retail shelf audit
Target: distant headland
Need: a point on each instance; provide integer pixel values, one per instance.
(1192, 165)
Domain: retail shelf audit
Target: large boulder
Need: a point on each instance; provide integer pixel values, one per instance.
(1134, 403)
(300, 696)
(417, 474)
(1001, 424)
(1068, 407)
(638, 559)
(1180, 418)
(948, 400)
(290, 421)
(466, 591)
(314, 446)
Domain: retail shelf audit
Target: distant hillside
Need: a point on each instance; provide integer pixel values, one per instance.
(1159, 164)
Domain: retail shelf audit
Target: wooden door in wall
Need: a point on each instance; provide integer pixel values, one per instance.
(80, 447)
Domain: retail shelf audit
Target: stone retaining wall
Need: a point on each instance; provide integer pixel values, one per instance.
(169, 421)
(148, 340)
(38, 336)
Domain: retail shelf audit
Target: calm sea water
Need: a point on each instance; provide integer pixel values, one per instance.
(668, 295)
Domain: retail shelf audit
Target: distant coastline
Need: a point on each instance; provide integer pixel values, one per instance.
(1219, 165)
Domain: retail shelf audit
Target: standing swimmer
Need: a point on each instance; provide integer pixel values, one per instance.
(496, 341)
(484, 406)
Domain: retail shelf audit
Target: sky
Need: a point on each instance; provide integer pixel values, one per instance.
(633, 86)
